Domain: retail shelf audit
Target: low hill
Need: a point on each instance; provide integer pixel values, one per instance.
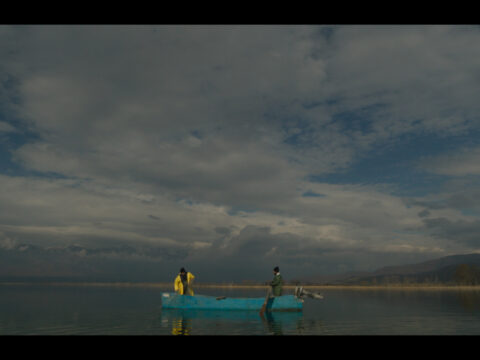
(455, 269)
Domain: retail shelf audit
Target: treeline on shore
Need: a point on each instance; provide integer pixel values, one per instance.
(461, 274)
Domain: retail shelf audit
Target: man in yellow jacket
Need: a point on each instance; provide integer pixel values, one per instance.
(183, 283)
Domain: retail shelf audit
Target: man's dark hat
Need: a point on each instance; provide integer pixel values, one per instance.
(182, 270)
(276, 269)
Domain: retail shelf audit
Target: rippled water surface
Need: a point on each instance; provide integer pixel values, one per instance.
(94, 310)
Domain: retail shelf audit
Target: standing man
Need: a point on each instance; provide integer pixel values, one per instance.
(277, 282)
(183, 282)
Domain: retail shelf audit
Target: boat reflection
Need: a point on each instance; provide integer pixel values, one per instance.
(281, 323)
(181, 325)
(205, 322)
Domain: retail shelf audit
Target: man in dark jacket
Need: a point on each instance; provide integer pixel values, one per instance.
(277, 282)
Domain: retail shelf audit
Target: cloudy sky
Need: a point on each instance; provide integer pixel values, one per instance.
(127, 152)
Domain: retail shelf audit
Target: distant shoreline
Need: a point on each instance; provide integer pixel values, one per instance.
(254, 286)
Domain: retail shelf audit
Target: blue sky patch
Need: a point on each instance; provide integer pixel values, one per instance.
(397, 163)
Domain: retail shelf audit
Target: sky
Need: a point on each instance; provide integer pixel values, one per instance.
(130, 151)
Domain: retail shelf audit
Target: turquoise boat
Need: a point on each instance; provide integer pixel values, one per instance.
(202, 302)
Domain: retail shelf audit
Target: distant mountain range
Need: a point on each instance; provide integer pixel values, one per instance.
(455, 269)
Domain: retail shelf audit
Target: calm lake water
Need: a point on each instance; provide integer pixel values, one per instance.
(85, 310)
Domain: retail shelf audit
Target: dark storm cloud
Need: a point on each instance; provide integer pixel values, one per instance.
(464, 199)
(256, 250)
(458, 231)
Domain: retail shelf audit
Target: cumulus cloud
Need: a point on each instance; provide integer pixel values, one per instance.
(464, 232)
(6, 242)
(202, 140)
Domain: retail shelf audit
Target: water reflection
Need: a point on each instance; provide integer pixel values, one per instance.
(203, 322)
(469, 300)
(56, 310)
(181, 325)
(281, 323)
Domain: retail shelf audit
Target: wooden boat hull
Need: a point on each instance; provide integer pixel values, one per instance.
(202, 302)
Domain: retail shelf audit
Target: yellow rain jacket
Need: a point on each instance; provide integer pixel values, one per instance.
(179, 286)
